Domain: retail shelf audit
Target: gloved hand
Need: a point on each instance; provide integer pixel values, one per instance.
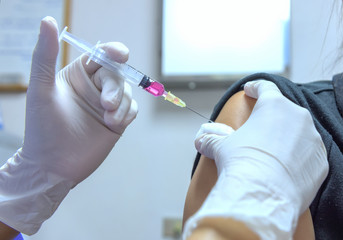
(269, 170)
(73, 120)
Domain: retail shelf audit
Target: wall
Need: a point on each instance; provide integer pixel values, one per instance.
(146, 176)
(316, 37)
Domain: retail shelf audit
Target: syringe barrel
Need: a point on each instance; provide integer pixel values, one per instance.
(134, 76)
(98, 55)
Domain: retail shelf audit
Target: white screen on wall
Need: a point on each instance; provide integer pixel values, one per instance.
(224, 37)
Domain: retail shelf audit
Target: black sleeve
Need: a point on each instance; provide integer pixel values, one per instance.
(324, 100)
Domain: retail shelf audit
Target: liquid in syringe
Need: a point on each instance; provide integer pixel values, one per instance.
(98, 55)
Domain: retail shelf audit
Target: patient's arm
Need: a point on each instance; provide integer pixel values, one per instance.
(235, 112)
(7, 233)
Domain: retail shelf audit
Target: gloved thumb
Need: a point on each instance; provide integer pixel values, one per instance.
(256, 89)
(209, 138)
(45, 53)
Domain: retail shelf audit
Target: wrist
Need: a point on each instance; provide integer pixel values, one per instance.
(6, 232)
(29, 195)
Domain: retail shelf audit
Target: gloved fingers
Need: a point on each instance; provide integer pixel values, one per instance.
(118, 119)
(111, 85)
(208, 138)
(213, 128)
(131, 114)
(256, 89)
(45, 53)
(115, 50)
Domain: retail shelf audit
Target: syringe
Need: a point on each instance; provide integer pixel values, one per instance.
(98, 55)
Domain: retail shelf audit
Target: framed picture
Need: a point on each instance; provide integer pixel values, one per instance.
(19, 29)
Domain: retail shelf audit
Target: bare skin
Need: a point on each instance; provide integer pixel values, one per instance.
(222, 229)
(235, 112)
(6, 232)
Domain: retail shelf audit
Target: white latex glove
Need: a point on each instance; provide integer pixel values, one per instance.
(73, 120)
(269, 170)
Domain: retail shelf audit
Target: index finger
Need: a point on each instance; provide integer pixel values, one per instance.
(115, 50)
(256, 88)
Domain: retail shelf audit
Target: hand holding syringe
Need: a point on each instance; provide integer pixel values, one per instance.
(98, 55)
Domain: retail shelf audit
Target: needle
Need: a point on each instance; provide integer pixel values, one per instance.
(199, 114)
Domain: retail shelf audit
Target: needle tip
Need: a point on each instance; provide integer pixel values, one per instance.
(199, 114)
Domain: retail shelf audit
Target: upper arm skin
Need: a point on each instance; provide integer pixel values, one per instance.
(234, 113)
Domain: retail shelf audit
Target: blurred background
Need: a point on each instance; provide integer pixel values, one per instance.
(138, 193)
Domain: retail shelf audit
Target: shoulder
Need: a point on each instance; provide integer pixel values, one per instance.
(236, 110)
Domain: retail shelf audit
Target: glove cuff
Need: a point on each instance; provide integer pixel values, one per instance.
(29, 196)
(263, 210)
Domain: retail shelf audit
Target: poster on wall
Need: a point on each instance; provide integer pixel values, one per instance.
(19, 29)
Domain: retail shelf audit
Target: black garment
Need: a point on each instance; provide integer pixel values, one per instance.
(324, 100)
